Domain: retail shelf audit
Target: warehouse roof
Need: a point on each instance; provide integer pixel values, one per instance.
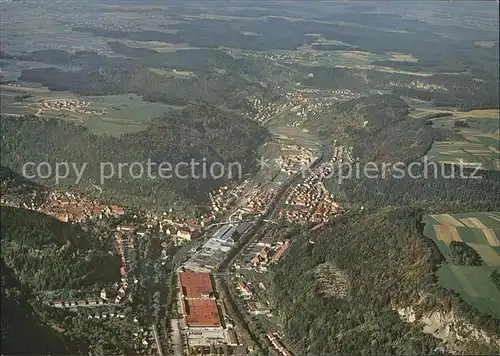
(195, 284)
(202, 313)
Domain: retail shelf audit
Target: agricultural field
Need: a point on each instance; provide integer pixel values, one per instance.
(112, 115)
(481, 231)
(466, 153)
(403, 57)
(474, 286)
(475, 229)
(487, 44)
(480, 143)
(125, 113)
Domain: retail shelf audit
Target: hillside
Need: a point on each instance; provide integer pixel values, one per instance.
(390, 267)
(20, 322)
(394, 303)
(371, 112)
(44, 259)
(198, 132)
(377, 126)
(217, 78)
(461, 90)
(46, 254)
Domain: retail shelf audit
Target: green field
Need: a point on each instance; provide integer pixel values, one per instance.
(474, 286)
(468, 234)
(125, 113)
(466, 153)
(471, 282)
(480, 143)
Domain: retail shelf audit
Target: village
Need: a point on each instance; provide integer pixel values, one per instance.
(303, 102)
(70, 105)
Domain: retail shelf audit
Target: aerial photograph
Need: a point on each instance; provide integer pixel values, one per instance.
(236, 177)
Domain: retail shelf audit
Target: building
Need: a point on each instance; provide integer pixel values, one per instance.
(201, 313)
(281, 250)
(117, 210)
(245, 290)
(184, 234)
(221, 232)
(195, 285)
(227, 234)
(198, 308)
(257, 308)
(277, 344)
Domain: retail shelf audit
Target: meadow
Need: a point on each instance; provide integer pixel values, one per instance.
(481, 231)
(125, 113)
(474, 286)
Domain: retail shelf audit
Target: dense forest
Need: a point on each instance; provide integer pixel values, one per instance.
(495, 278)
(198, 132)
(463, 254)
(379, 130)
(47, 254)
(22, 329)
(44, 259)
(377, 127)
(455, 90)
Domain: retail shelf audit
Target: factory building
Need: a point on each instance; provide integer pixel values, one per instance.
(198, 305)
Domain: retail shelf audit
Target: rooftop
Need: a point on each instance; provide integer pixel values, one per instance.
(202, 313)
(195, 284)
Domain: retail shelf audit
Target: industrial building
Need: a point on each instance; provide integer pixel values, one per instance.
(214, 250)
(201, 313)
(195, 285)
(201, 320)
(197, 302)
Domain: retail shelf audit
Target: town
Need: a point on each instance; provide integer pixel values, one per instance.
(301, 103)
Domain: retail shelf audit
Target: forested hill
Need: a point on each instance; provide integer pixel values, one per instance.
(45, 259)
(215, 76)
(16, 184)
(22, 330)
(461, 90)
(378, 128)
(198, 131)
(47, 254)
(377, 110)
(337, 291)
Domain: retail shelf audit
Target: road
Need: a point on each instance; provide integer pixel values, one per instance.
(271, 211)
(267, 217)
(176, 337)
(157, 340)
(86, 305)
